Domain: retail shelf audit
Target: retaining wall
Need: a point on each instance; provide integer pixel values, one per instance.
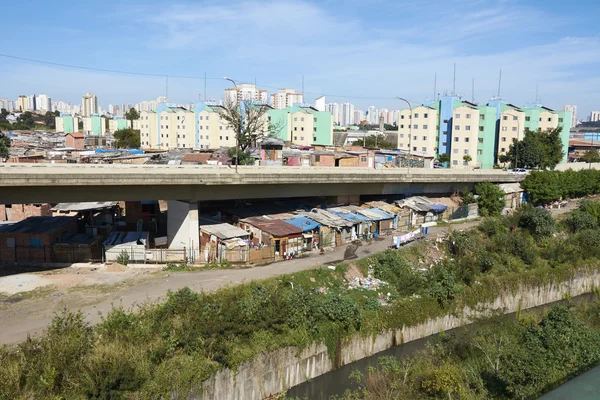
(279, 370)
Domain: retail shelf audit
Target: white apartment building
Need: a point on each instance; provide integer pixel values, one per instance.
(62, 107)
(335, 110)
(43, 102)
(373, 115)
(573, 110)
(8, 105)
(285, 98)
(245, 92)
(347, 114)
(359, 116)
(595, 116)
(89, 104)
(320, 104)
(31, 106)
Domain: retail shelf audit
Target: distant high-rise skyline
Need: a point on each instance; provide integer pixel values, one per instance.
(573, 110)
(89, 104)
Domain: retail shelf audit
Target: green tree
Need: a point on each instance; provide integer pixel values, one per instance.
(377, 141)
(131, 116)
(4, 146)
(49, 120)
(127, 138)
(579, 220)
(466, 196)
(244, 156)
(467, 158)
(26, 118)
(503, 158)
(539, 150)
(544, 186)
(490, 200)
(591, 156)
(443, 158)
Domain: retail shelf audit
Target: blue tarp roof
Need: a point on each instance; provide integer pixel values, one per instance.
(131, 151)
(437, 207)
(348, 216)
(306, 224)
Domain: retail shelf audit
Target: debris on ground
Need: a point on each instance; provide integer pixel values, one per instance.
(368, 283)
(116, 267)
(321, 290)
(331, 267)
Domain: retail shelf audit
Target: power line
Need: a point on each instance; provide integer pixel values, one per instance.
(114, 71)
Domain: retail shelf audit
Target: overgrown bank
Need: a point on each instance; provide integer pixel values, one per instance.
(174, 346)
(496, 358)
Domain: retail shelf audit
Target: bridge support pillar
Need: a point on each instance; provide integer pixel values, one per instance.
(183, 230)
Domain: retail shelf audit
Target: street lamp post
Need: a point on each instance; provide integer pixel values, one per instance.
(239, 133)
(409, 130)
(517, 142)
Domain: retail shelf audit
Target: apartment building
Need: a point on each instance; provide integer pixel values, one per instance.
(94, 125)
(424, 130)
(572, 108)
(244, 92)
(459, 128)
(67, 124)
(22, 103)
(285, 98)
(89, 105)
(302, 125)
(116, 123)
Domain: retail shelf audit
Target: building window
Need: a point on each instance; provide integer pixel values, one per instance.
(456, 139)
(415, 148)
(295, 118)
(295, 137)
(468, 116)
(527, 119)
(466, 151)
(560, 120)
(514, 128)
(503, 129)
(445, 132)
(550, 119)
(295, 128)
(444, 144)
(455, 151)
(424, 137)
(35, 243)
(480, 140)
(206, 127)
(363, 158)
(456, 116)
(200, 127)
(514, 117)
(503, 139)
(454, 162)
(226, 137)
(314, 138)
(425, 115)
(457, 127)
(468, 128)
(402, 135)
(482, 117)
(414, 137)
(402, 117)
(177, 126)
(220, 137)
(540, 120)
(221, 128)
(504, 117)
(479, 152)
(465, 163)
(424, 126)
(178, 117)
(161, 127)
(503, 150)
(466, 140)
(416, 115)
(415, 126)
(184, 145)
(401, 126)
(11, 243)
(314, 119)
(302, 128)
(445, 121)
(317, 158)
(423, 149)
(302, 119)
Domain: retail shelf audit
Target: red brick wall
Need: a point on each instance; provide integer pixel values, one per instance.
(324, 161)
(78, 143)
(19, 212)
(348, 162)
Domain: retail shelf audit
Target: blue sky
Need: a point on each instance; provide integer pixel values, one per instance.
(353, 49)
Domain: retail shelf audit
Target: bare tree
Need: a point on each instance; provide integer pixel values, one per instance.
(254, 125)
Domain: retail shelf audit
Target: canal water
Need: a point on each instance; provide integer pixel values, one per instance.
(338, 381)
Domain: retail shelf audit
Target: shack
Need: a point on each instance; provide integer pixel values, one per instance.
(422, 209)
(132, 245)
(284, 238)
(310, 231)
(513, 195)
(221, 241)
(334, 231)
(385, 222)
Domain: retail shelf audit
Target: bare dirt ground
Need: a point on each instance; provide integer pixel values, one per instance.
(29, 301)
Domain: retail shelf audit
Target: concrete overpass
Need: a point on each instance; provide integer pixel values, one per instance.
(36, 183)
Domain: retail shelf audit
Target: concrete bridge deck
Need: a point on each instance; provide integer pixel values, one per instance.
(21, 183)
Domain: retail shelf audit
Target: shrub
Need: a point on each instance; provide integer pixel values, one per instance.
(579, 220)
(442, 283)
(537, 221)
(490, 200)
(492, 226)
(123, 258)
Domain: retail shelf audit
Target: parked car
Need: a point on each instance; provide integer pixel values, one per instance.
(519, 171)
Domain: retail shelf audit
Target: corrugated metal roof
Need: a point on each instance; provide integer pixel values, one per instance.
(224, 231)
(126, 238)
(508, 188)
(37, 225)
(326, 218)
(275, 227)
(84, 206)
(375, 214)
